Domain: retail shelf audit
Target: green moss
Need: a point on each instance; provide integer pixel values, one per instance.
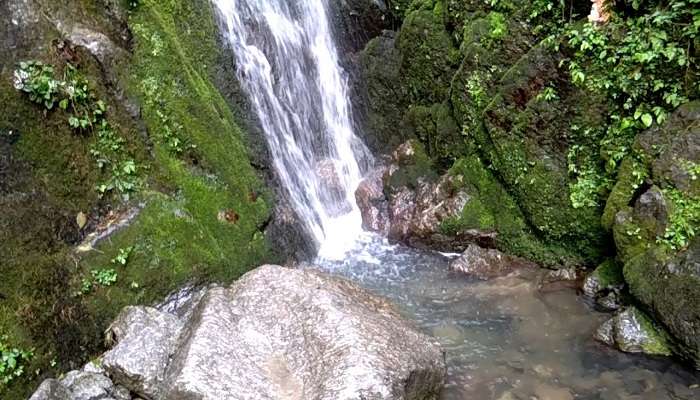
(491, 208)
(437, 130)
(428, 57)
(179, 237)
(667, 284)
(412, 169)
(498, 28)
(609, 273)
(658, 342)
(527, 142)
(629, 177)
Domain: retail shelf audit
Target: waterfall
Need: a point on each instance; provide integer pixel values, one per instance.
(288, 65)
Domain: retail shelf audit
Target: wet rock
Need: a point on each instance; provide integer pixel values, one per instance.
(145, 340)
(484, 264)
(604, 285)
(632, 332)
(564, 278)
(278, 333)
(82, 385)
(51, 389)
(94, 368)
(357, 21)
(332, 190)
(674, 146)
(406, 153)
(97, 43)
(373, 203)
(609, 301)
(651, 206)
(88, 385)
(419, 203)
(402, 208)
(665, 280)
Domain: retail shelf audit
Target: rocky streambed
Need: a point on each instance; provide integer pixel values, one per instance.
(479, 325)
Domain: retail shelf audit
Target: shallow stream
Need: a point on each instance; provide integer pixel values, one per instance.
(505, 339)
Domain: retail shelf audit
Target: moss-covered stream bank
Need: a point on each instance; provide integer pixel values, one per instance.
(173, 166)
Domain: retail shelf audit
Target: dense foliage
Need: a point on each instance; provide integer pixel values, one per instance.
(644, 61)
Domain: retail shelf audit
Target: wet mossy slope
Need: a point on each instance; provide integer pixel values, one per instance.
(199, 208)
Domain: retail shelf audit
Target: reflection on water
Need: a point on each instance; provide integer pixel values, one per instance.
(504, 339)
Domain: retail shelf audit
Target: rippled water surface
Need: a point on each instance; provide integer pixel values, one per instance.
(504, 338)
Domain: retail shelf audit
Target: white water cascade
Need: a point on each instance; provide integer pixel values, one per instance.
(288, 65)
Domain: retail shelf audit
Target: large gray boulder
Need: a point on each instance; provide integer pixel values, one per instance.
(278, 333)
(155, 335)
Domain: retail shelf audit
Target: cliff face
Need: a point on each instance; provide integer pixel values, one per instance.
(539, 147)
(161, 156)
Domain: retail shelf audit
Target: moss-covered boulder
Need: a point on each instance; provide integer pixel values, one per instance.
(654, 226)
(632, 331)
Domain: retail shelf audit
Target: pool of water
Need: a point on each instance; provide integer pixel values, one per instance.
(505, 339)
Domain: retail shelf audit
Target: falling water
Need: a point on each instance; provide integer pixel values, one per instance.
(288, 65)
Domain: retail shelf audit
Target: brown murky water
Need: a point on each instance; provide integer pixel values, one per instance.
(505, 339)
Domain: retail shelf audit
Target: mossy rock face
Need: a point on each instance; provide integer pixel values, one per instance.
(609, 273)
(382, 100)
(669, 287)
(428, 56)
(414, 165)
(435, 127)
(672, 150)
(527, 140)
(660, 256)
(201, 210)
(492, 208)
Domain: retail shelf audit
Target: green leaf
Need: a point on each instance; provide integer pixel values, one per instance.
(647, 120)
(63, 104)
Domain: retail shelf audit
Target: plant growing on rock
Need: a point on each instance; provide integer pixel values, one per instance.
(37, 80)
(12, 361)
(86, 114)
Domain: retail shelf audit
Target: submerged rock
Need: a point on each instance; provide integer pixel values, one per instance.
(632, 332)
(277, 333)
(484, 264)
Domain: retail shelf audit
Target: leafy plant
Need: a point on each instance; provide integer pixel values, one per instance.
(123, 257)
(104, 277)
(547, 94)
(38, 81)
(684, 219)
(12, 361)
(499, 27)
(86, 114)
(642, 62)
